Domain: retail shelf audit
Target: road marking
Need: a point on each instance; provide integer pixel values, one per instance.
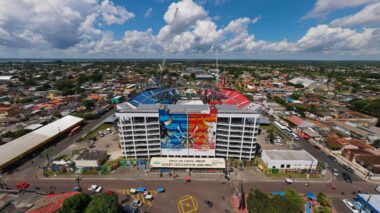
(187, 204)
(140, 196)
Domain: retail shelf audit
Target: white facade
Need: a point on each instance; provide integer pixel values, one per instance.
(288, 160)
(236, 131)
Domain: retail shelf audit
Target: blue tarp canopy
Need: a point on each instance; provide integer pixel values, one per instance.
(310, 195)
(141, 189)
(278, 194)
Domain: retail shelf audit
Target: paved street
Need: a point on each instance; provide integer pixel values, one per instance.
(29, 166)
(200, 190)
(321, 156)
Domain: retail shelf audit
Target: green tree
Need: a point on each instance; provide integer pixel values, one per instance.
(323, 199)
(75, 204)
(258, 202)
(376, 144)
(324, 209)
(104, 203)
(294, 202)
(88, 103)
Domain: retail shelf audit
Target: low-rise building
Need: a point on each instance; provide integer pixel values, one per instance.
(285, 160)
(90, 158)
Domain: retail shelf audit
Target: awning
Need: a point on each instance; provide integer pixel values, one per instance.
(281, 194)
(141, 189)
(310, 195)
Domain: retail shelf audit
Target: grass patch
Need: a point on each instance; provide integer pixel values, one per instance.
(112, 162)
(295, 175)
(95, 132)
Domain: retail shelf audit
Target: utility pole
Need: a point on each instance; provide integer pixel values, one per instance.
(78, 179)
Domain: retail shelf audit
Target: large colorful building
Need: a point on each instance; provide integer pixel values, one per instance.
(161, 123)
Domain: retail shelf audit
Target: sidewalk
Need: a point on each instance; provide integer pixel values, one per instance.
(249, 174)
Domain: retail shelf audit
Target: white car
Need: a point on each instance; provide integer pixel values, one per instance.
(95, 188)
(133, 190)
(378, 188)
(136, 203)
(350, 206)
(335, 171)
(148, 196)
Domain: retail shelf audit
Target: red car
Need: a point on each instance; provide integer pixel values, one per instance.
(22, 185)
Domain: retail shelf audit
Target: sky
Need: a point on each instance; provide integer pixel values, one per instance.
(188, 29)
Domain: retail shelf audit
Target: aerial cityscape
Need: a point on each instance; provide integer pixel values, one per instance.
(189, 106)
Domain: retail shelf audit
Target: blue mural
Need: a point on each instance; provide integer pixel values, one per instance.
(173, 130)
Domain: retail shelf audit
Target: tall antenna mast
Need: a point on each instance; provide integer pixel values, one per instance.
(216, 55)
(162, 65)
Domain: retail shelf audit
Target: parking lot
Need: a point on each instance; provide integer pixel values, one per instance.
(182, 197)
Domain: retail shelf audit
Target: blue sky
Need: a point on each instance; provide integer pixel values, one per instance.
(242, 29)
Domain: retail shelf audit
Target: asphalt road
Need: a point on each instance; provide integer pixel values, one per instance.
(200, 190)
(30, 164)
(321, 156)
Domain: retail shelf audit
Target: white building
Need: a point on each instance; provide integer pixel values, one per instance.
(288, 160)
(178, 130)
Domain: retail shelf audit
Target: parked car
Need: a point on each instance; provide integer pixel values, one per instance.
(22, 185)
(335, 171)
(75, 189)
(378, 188)
(133, 190)
(332, 158)
(160, 189)
(209, 203)
(347, 177)
(136, 203)
(95, 188)
(350, 206)
(148, 196)
(348, 168)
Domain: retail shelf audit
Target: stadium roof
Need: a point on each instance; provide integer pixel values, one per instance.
(19, 147)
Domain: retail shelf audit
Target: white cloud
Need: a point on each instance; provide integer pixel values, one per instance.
(87, 26)
(148, 12)
(179, 17)
(256, 19)
(324, 7)
(368, 15)
(55, 21)
(324, 38)
(114, 14)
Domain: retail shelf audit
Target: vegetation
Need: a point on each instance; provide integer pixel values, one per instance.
(291, 202)
(75, 204)
(368, 106)
(325, 203)
(104, 203)
(376, 144)
(16, 134)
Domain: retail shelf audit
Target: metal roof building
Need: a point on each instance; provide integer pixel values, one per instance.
(18, 148)
(288, 159)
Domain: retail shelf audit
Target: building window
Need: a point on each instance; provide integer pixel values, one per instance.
(288, 166)
(273, 167)
(282, 165)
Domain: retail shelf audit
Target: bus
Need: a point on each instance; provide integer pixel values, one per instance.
(74, 130)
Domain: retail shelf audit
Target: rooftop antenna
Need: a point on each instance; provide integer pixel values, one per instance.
(162, 65)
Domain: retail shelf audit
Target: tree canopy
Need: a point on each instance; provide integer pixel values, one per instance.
(75, 204)
(104, 203)
(291, 202)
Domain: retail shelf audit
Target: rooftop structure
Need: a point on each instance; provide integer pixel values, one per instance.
(306, 82)
(295, 160)
(16, 149)
(189, 127)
